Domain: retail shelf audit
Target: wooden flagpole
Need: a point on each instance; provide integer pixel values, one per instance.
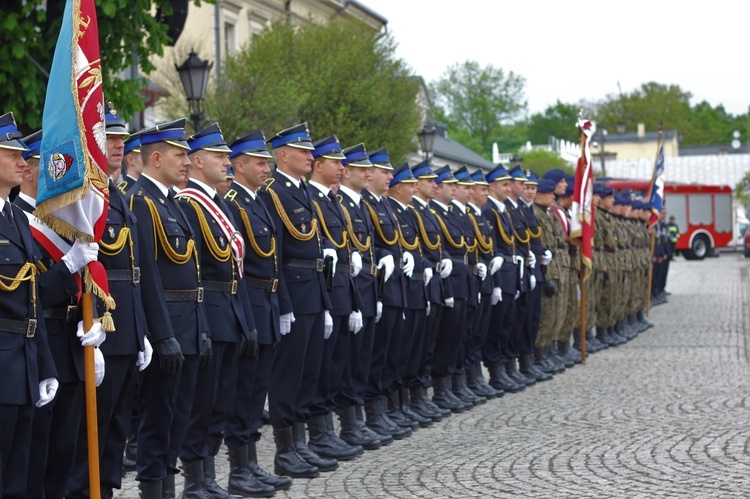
(650, 274)
(92, 425)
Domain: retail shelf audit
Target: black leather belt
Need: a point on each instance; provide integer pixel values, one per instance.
(610, 250)
(267, 284)
(344, 268)
(26, 327)
(316, 265)
(133, 275)
(464, 260)
(66, 314)
(222, 286)
(417, 276)
(373, 269)
(195, 295)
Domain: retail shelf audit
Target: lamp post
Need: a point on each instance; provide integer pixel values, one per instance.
(427, 139)
(194, 76)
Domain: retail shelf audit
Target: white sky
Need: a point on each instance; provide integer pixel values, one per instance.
(575, 50)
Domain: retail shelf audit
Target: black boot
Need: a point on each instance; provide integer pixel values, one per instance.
(242, 481)
(441, 397)
(593, 344)
(300, 445)
(516, 375)
(406, 409)
(350, 432)
(168, 488)
(277, 482)
(376, 421)
(555, 360)
(391, 401)
(484, 390)
(338, 440)
(433, 406)
(394, 427)
(287, 461)
(462, 391)
(419, 406)
(323, 445)
(563, 350)
(150, 490)
(542, 362)
(195, 483)
(385, 438)
(528, 368)
(499, 380)
(209, 479)
(645, 324)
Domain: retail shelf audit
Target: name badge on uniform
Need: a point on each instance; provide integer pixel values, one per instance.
(298, 210)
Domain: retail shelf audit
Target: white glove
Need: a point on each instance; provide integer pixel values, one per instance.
(495, 264)
(98, 366)
(356, 260)
(47, 391)
(449, 302)
(532, 259)
(546, 257)
(285, 323)
(387, 264)
(144, 357)
(497, 296)
(519, 261)
(332, 253)
(408, 259)
(446, 267)
(427, 312)
(94, 337)
(79, 255)
(328, 327)
(355, 321)
(533, 281)
(427, 275)
(379, 311)
(481, 270)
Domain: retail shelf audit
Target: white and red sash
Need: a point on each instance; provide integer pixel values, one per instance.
(563, 219)
(232, 234)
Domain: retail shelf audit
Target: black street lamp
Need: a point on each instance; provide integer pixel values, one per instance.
(427, 139)
(194, 76)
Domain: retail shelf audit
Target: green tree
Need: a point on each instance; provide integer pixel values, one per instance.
(128, 31)
(340, 77)
(558, 120)
(479, 100)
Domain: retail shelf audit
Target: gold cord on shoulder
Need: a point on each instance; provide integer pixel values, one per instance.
(325, 229)
(484, 247)
(510, 241)
(159, 234)
(535, 235)
(360, 246)
(423, 233)
(300, 236)
(116, 247)
(26, 273)
(251, 237)
(221, 255)
(458, 245)
(378, 228)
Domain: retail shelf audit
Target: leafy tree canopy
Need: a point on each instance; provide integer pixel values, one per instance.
(339, 77)
(128, 31)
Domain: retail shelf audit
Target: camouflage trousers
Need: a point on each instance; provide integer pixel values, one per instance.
(553, 314)
(572, 311)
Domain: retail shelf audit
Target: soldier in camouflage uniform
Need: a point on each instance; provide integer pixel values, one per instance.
(605, 266)
(553, 285)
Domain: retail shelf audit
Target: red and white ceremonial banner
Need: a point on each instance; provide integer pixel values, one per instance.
(582, 214)
(73, 196)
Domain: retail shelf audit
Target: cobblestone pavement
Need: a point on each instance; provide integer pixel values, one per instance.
(666, 414)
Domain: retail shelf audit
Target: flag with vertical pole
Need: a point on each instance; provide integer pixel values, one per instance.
(73, 195)
(582, 217)
(655, 197)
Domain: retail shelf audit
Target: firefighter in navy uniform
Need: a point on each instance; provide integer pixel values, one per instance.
(303, 303)
(439, 288)
(128, 349)
(175, 314)
(495, 353)
(487, 255)
(220, 250)
(391, 295)
(327, 170)
(350, 399)
(26, 365)
(55, 427)
(401, 191)
(262, 265)
(132, 162)
(451, 330)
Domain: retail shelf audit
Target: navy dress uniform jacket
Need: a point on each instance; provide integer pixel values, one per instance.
(416, 293)
(507, 277)
(459, 277)
(439, 289)
(257, 225)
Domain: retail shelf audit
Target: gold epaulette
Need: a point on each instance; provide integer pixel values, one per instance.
(121, 186)
(269, 181)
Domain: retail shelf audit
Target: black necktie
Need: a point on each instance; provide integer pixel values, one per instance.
(9, 217)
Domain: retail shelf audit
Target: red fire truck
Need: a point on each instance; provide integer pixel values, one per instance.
(703, 212)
